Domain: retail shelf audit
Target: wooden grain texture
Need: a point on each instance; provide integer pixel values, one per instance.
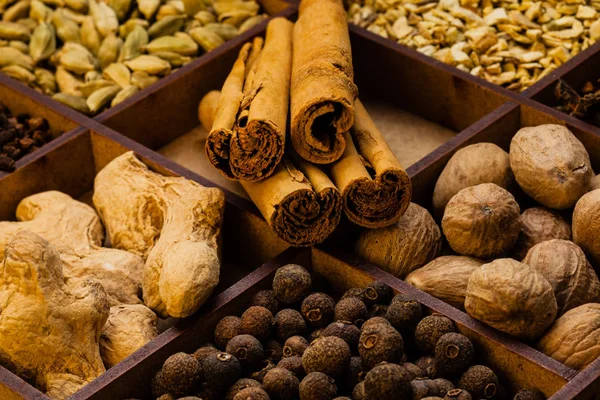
(584, 386)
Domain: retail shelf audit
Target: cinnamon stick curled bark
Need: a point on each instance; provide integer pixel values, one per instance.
(247, 138)
(370, 201)
(322, 91)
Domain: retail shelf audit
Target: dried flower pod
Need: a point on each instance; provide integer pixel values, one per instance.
(585, 225)
(551, 165)
(330, 355)
(565, 266)
(573, 338)
(539, 224)
(401, 248)
(387, 382)
(291, 283)
(511, 297)
(482, 221)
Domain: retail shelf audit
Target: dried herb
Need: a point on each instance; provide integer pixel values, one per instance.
(579, 105)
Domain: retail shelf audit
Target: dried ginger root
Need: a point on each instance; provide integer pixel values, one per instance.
(172, 222)
(49, 328)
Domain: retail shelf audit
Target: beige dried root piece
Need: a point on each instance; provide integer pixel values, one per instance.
(49, 329)
(586, 225)
(574, 338)
(173, 223)
(375, 189)
(247, 137)
(75, 230)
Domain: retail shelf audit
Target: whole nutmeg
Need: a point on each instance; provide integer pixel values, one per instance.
(482, 221)
(400, 248)
(511, 297)
(329, 355)
(595, 183)
(573, 338)
(446, 278)
(551, 165)
(586, 225)
(565, 266)
(539, 224)
(470, 166)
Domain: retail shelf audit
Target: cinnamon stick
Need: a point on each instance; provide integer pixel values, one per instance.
(323, 91)
(377, 194)
(247, 139)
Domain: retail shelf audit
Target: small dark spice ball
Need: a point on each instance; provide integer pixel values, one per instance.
(315, 334)
(292, 364)
(351, 309)
(423, 387)
(329, 355)
(295, 346)
(259, 375)
(208, 393)
(342, 398)
(355, 373)
(353, 292)
(281, 384)
(404, 312)
(248, 350)
(227, 328)
(358, 393)
(273, 350)
(378, 310)
(205, 351)
(427, 365)
(221, 370)
(453, 354)
(529, 395)
(317, 309)
(181, 373)
(377, 293)
(458, 394)
(252, 393)
(167, 396)
(291, 283)
(318, 386)
(266, 299)
(159, 385)
(289, 323)
(387, 382)
(430, 330)
(380, 343)
(480, 381)
(375, 321)
(344, 330)
(240, 385)
(413, 370)
(258, 322)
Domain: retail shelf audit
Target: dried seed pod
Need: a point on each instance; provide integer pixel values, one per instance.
(46, 81)
(105, 18)
(404, 312)
(176, 60)
(566, 268)
(221, 370)
(252, 22)
(252, 393)
(292, 364)
(289, 323)
(101, 98)
(470, 166)
(539, 224)
(351, 309)
(344, 330)
(11, 56)
(318, 386)
(14, 31)
(424, 387)
(453, 354)
(480, 381)
(19, 73)
(180, 374)
(378, 343)
(585, 224)
(90, 37)
(260, 374)
(121, 8)
(75, 102)
(294, 346)
(118, 73)
(328, 354)
(134, 43)
(482, 221)
(377, 292)
(240, 385)
(227, 328)
(573, 338)
(266, 299)
(43, 42)
(273, 350)
(109, 50)
(291, 283)
(446, 278)
(529, 395)
(88, 88)
(248, 350)
(457, 394)
(318, 309)
(258, 322)
(281, 384)
(551, 165)
(142, 79)
(166, 26)
(401, 248)
(150, 64)
(387, 382)
(66, 29)
(179, 45)
(78, 62)
(511, 297)
(148, 7)
(124, 94)
(207, 39)
(204, 352)
(430, 330)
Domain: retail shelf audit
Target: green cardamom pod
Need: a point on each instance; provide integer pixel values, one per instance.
(235, 18)
(252, 22)
(193, 7)
(19, 73)
(136, 40)
(43, 42)
(126, 28)
(167, 10)
(78, 62)
(105, 18)
(149, 64)
(39, 12)
(232, 6)
(90, 37)
(205, 17)
(66, 29)
(109, 50)
(75, 102)
(74, 16)
(121, 8)
(54, 3)
(92, 76)
(148, 7)
(118, 73)
(12, 56)
(180, 45)
(176, 60)
(142, 79)
(67, 82)
(124, 94)
(14, 31)
(227, 32)
(90, 87)
(207, 39)
(21, 46)
(45, 80)
(166, 26)
(17, 11)
(101, 97)
(77, 5)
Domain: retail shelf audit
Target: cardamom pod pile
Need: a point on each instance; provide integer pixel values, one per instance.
(91, 55)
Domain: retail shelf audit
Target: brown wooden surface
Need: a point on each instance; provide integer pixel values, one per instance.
(585, 386)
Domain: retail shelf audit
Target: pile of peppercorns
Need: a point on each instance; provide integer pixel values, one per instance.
(317, 349)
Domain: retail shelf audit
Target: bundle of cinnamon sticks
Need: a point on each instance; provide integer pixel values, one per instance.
(338, 160)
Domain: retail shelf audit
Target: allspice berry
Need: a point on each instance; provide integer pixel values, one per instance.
(424, 387)
(330, 355)
(353, 292)
(314, 335)
(266, 299)
(387, 382)
(344, 330)
(291, 283)
(318, 386)
(289, 323)
(281, 384)
(181, 373)
(358, 393)
(355, 373)
(204, 352)
(273, 350)
(430, 330)
(529, 395)
(380, 343)
(258, 322)
(259, 375)
(295, 346)
(374, 321)
(458, 394)
(221, 370)
(378, 310)
(253, 393)
(427, 365)
(240, 385)
(413, 371)
(248, 350)
(227, 328)
(480, 381)
(292, 364)
(318, 309)
(377, 292)
(351, 309)
(404, 312)
(453, 354)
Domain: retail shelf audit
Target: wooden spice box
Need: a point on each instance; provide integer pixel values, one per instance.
(399, 86)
